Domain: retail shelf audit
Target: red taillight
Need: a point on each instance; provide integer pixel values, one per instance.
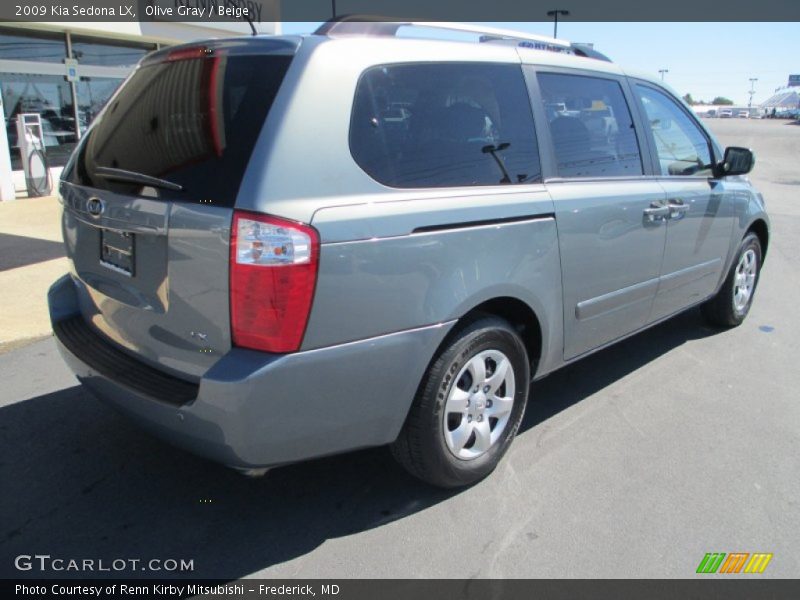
(273, 275)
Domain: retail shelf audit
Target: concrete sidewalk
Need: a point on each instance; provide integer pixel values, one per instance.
(31, 258)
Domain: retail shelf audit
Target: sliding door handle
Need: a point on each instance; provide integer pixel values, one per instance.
(656, 212)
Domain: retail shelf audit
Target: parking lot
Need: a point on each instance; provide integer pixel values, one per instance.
(634, 462)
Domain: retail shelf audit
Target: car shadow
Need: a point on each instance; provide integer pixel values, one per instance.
(585, 377)
(19, 251)
(80, 481)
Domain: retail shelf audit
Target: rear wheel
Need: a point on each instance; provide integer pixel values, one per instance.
(468, 407)
(734, 299)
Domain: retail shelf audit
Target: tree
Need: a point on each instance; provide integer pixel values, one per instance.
(689, 100)
(721, 100)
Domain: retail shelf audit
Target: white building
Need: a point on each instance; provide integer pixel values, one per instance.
(34, 59)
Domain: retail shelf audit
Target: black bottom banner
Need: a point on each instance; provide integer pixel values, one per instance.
(397, 589)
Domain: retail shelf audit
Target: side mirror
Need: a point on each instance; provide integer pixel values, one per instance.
(737, 161)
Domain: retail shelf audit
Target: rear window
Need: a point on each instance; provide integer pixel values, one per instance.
(192, 121)
(435, 125)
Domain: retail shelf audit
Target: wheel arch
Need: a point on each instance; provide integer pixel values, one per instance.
(760, 228)
(520, 315)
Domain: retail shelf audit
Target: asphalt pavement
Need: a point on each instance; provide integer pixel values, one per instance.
(634, 462)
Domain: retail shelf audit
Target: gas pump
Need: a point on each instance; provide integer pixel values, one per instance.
(30, 136)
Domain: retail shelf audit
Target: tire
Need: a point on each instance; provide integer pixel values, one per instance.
(454, 436)
(732, 302)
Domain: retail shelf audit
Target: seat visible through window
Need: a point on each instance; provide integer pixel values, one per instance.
(450, 125)
(590, 125)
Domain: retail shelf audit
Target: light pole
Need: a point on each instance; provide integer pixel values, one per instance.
(555, 14)
(752, 91)
(663, 72)
(333, 8)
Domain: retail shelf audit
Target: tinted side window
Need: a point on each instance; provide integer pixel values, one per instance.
(435, 125)
(591, 126)
(682, 147)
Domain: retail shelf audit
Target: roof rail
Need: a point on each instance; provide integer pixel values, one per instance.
(589, 52)
(371, 25)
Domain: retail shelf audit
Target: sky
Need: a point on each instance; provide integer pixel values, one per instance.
(703, 59)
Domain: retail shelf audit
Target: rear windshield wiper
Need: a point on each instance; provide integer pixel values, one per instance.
(134, 177)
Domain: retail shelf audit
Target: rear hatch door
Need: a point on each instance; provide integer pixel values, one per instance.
(149, 194)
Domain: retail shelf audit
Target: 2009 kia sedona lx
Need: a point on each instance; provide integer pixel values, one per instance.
(287, 247)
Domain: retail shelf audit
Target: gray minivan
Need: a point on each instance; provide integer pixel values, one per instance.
(286, 247)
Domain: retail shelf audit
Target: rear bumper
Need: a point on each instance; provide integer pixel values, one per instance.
(253, 409)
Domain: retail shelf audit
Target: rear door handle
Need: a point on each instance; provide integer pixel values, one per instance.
(656, 212)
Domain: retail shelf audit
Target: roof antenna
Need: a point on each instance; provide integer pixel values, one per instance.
(252, 27)
(246, 16)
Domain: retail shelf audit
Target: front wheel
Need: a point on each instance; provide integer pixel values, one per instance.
(468, 407)
(734, 299)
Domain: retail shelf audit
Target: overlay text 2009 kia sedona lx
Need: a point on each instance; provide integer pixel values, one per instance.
(288, 247)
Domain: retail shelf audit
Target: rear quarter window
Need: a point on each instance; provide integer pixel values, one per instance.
(192, 121)
(436, 125)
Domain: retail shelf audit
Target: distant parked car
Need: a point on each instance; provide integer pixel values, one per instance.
(725, 113)
(711, 114)
(744, 114)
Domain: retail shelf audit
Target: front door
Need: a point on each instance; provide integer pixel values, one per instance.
(701, 218)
